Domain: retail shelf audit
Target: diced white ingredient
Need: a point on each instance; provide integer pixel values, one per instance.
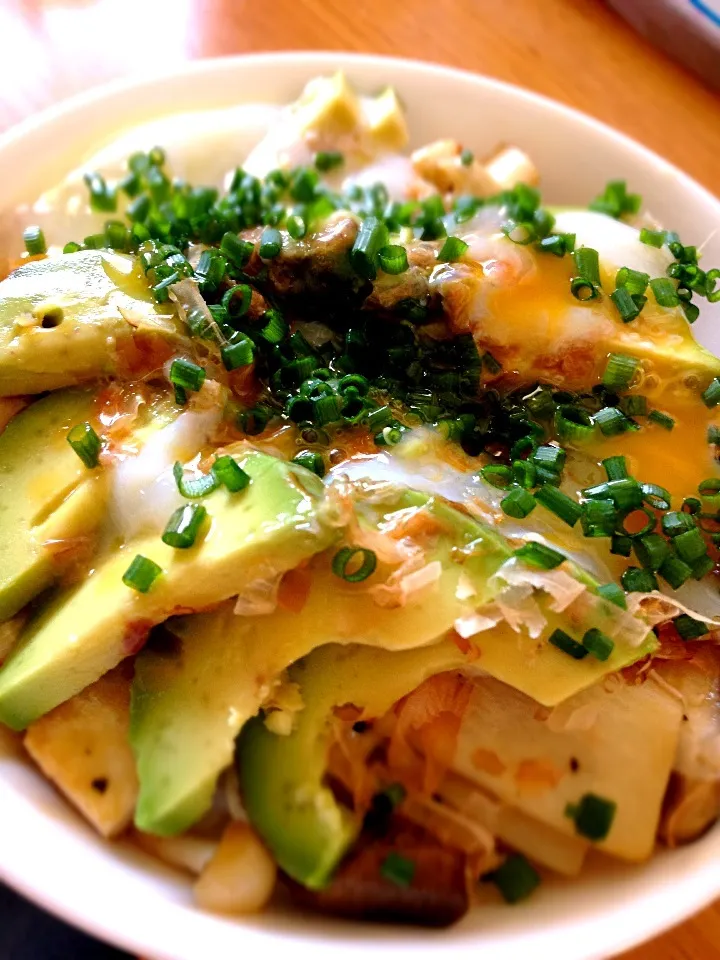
(240, 877)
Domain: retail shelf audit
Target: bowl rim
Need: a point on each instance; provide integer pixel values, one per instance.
(702, 885)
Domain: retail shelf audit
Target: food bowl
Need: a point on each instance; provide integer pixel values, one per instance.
(111, 889)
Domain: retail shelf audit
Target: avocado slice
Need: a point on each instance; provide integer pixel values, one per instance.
(63, 318)
(46, 494)
(271, 526)
(281, 777)
(225, 666)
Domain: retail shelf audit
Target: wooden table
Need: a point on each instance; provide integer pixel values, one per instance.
(577, 51)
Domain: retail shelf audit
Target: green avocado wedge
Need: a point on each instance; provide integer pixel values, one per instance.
(46, 495)
(281, 777)
(62, 319)
(189, 701)
(275, 523)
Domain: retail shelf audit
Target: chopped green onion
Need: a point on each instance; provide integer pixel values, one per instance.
(515, 878)
(453, 249)
(141, 574)
(626, 304)
(651, 550)
(573, 423)
(653, 238)
(393, 259)
(549, 456)
(661, 419)
(676, 522)
(615, 467)
(103, 198)
(689, 628)
(540, 555)
(613, 594)
(72, 247)
(709, 486)
(559, 503)
(328, 159)
(497, 475)
(311, 461)
(634, 406)
(34, 240)
(690, 545)
(184, 525)
(611, 421)
(275, 328)
(397, 869)
(615, 201)
(86, 444)
(563, 641)
(598, 644)
(236, 251)
(675, 571)
(193, 489)
(593, 816)
(598, 518)
(634, 281)
(620, 545)
(236, 301)
(238, 353)
(619, 371)
(253, 421)
(517, 232)
(636, 580)
(524, 473)
(691, 311)
(556, 244)
(655, 496)
(296, 226)
(379, 418)
(691, 505)
(587, 264)
(713, 434)
(186, 374)
(270, 243)
(371, 238)
(701, 567)
(327, 409)
(466, 157)
(648, 526)
(230, 474)
(518, 503)
(583, 289)
(711, 396)
(665, 292)
(344, 564)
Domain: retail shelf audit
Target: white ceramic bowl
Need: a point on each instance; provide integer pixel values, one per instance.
(115, 892)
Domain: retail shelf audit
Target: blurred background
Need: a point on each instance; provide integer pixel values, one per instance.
(650, 68)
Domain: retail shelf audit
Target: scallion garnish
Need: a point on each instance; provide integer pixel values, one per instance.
(275, 329)
(466, 157)
(711, 396)
(655, 496)
(676, 522)
(236, 251)
(540, 555)
(184, 525)
(519, 503)
(611, 421)
(675, 571)
(141, 574)
(665, 292)
(34, 240)
(453, 249)
(627, 305)
(515, 878)
(615, 467)
(192, 489)
(186, 375)
(690, 545)
(497, 475)
(713, 434)
(651, 551)
(636, 580)
(619, 371)
(311, 460)
(598, 644)
(238, 353)
(573, 423)
(653, 238)
(345, 564)
(613, 594)
(86, 444)
(270, 243)
(621, 546)
(372, 237)
(634, 516)
(661, 419)
(689, 628)
(634, 281)
(593, 816)
(393, 259)
(103, 198)
(230, 474)
(563, 641)
(328, 159)
(598, 518)
(397, 869)
(559, 503)
(587, 264)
